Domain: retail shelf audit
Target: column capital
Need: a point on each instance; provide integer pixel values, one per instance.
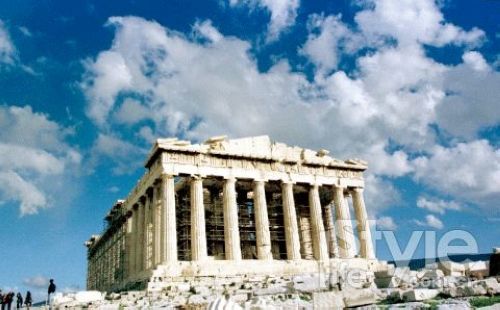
(336, 186)
(197, 176)
(259, 180)
(230, 178)
(165, 175)
(357, 189)
(287, 182)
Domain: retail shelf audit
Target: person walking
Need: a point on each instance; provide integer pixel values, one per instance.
(19, 300)
(28, 300)
(51, 290)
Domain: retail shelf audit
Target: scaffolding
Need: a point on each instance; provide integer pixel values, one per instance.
(214, 223)
(276, 225)
(183, 218)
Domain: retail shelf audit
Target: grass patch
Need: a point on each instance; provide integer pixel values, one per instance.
(484, 301)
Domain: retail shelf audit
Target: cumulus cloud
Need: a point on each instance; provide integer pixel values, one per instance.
(283, 13)
(437, 205)
(472, 103)
(386, 223)
(328, 39)
(38, 281)
(469, 171)
(412, 22)
(126, 156)
(430, 221)
(33, 154)
(7, 48)
(384, 109)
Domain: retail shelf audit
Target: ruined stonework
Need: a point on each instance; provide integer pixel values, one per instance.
(233, 209)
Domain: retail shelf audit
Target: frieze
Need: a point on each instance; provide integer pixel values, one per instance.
(254, 164)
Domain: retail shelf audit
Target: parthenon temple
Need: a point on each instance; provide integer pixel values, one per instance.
(232, 207)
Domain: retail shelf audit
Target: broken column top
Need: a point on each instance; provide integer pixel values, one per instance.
(259, 147)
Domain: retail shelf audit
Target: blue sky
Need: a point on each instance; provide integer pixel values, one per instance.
(411, 86)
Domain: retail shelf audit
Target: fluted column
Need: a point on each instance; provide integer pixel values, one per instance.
(263, 234)
(331, 236)
(365, 238)
(344, 225)
(156, 208)
(147, 216)
(198, 233)
(133, 243)
(320, 248)
(140, 237)
(290, 221)
(168, 219)
(231, 229)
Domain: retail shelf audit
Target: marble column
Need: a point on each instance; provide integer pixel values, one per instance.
(331, 236)
(343, 225)
(320, 248)
(140, 237)
(168, 219)
(147, 216)
(290, 221)
(231, 229)
(198, 233)
(156, 203)
(365, 238)
(263, 234)
(133, 242)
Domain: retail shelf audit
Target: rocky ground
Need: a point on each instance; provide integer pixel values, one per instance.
(442, 286)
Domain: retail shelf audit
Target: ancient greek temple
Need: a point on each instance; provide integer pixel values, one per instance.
(231, 208)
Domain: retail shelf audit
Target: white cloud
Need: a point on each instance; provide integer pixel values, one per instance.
(379, 195)
(25, 31)
(7, 48)
(131, 111)
(38, 281)
(468, 171)
(386, 223)
(127, 156)
(328, 39)
(412, 22)
(472, 102)
(205, 84)
(437, 205)
(430, 221)
(34, 158)
(283, 14)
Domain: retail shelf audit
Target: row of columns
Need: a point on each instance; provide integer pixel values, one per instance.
(329, 240)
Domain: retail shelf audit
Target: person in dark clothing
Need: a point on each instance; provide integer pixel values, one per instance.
(1, 300)
(28, 300)
(8, 300)
(19, 300)
(51, 290)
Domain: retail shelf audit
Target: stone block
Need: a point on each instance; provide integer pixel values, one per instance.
(490, 284)
(89, 296)
(420, 294)
(359, 297)
(328, 300)
(196, 300)
(450, 268)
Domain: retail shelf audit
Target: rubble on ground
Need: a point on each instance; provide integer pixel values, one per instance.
(447, 284)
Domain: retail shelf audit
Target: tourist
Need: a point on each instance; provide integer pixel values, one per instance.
(1, 299)
(19, 297)
(27, 300)
(7, 300)
(51, 290)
